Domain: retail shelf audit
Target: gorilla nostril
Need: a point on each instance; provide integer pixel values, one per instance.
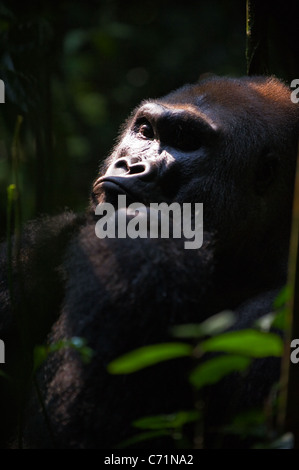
(128, 167)
(132, 168)
(145, 171)
(137, 168)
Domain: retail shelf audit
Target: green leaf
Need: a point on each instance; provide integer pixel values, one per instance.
(281, 319)
(215, 369)
(265, 322)
(283, 297)
(212, 326)
(11, 193)
(248, 423)
(272, 320)
(148, 356)
(252, 343)
(171, 421)
(40, 355)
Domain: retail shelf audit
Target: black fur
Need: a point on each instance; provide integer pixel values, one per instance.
(228, 143)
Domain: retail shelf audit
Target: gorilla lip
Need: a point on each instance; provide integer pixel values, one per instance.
(108, 183)
(112, 185)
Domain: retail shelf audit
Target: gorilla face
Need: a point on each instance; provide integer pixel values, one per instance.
(227, 143)
(158, 153)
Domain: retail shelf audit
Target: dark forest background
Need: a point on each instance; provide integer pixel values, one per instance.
(74, 70)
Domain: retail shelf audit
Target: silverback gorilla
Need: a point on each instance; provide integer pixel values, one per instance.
(227, 143)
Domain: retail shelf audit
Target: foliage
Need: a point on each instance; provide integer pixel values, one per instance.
(229, 352)
(41, 353)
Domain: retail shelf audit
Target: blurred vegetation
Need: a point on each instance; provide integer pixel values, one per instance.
(74, 70)
(232, 352)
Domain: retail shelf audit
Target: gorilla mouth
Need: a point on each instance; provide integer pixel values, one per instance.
(108, 183)
(113, 188)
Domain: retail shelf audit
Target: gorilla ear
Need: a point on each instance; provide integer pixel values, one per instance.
(265, 172)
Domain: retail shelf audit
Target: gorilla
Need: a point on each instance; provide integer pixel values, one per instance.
(227, 143)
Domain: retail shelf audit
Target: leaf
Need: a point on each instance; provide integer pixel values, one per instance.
(80, 345)
(272, 320)
(212, 326)
(283, 297)
(171, 421)
(148, 356)
(252, 343)
(215, 369)
(41, 353)
(11, 193)
(281, 319)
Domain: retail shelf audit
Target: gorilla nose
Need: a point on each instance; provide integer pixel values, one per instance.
(132, 168)
(141, 180)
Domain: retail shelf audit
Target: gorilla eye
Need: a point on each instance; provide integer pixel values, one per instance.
(144, 129)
